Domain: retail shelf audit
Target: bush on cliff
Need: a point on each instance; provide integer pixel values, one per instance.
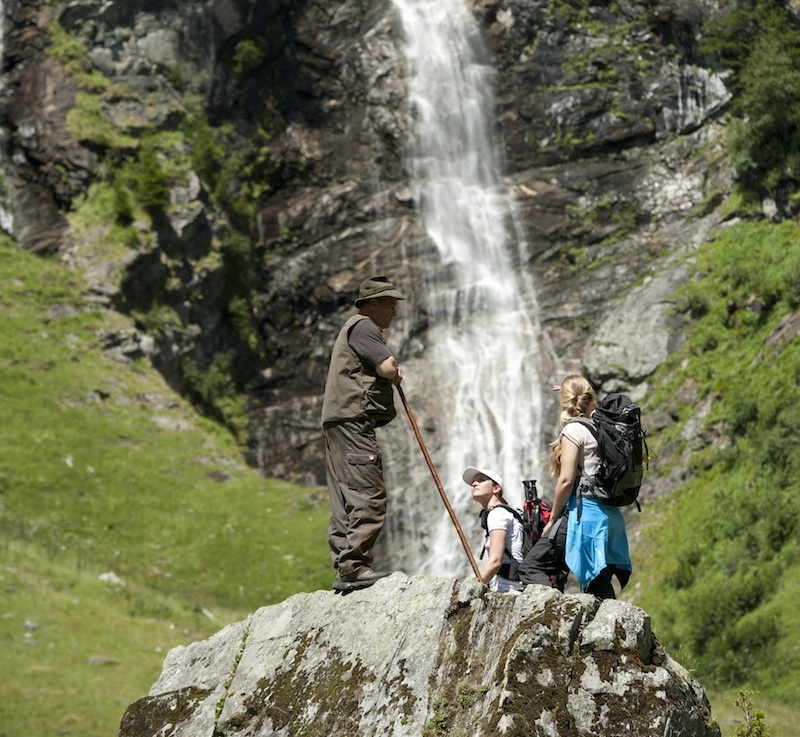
(758, 42)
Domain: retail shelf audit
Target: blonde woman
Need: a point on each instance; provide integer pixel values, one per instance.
(596, 541)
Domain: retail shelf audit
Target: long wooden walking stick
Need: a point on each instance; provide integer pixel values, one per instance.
(438, 483)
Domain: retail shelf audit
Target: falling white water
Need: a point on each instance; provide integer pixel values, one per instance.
(479, 375)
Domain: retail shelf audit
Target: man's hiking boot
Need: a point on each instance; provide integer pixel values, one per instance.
(360, 579)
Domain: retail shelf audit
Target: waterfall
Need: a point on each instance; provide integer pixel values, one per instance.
(479, 377)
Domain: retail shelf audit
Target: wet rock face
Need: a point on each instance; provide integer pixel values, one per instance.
(420, 655)
(610, 144)
(609, 124)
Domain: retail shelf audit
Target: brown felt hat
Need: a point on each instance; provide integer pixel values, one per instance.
(376, 287)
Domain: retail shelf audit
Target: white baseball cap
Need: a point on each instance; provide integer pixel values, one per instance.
(471, 472)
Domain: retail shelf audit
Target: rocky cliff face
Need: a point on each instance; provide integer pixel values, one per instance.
(612, 139)
(414, 656)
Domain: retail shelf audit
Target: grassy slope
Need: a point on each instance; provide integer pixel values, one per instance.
(718, 563)
(104, 468)
(91, 480)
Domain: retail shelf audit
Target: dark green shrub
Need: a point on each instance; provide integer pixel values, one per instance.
(696, 304)
(757, 41)
(213, 391)
(779, 454)
(743, 648)
(248, 56)
(236, 171)
(206, 153)
(122, 202)
(718, 605)
(239, 260)
(791, 282)
(744, 413)
(149, 183)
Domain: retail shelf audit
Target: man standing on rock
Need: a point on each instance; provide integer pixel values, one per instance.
(358, 398)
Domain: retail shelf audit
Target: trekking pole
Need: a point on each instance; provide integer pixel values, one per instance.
(438, 483)
(532, 508)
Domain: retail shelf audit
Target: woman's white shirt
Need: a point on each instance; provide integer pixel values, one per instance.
(582, 436)
(499, 518)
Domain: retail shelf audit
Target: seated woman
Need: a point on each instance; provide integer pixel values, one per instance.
(503, 542)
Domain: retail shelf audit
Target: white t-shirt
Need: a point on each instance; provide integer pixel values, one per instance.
(580, 435)
(500, 518)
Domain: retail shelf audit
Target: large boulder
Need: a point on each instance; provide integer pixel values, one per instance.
(420, 655)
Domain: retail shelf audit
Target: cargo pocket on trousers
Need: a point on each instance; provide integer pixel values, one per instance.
(365, 470)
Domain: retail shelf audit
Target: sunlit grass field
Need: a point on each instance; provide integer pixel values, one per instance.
(781, 719)
(105, 470)
(129, 524)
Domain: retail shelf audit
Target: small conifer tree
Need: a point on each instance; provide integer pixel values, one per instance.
(754, 724)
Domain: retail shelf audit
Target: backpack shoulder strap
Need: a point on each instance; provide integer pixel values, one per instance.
(507, 549)
(513, 511)
(583, 480)
(485, 525)
(586, 422)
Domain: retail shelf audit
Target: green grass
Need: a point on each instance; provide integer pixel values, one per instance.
(77, 651)
(780, 718)
(104, 468)
(724, 597)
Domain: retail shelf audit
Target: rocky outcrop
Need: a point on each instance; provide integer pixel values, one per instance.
(412, 656)
(613, 153)
(612, 124)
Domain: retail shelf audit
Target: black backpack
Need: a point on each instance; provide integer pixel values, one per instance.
(533, 517)
(621, 444)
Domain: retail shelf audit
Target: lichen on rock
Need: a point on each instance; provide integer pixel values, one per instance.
(414, 656)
